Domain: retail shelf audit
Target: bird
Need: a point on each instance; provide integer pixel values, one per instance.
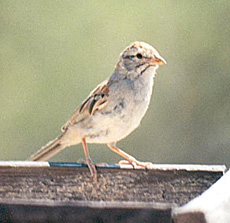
(113, 109)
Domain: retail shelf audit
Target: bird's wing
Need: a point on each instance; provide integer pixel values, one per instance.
(96, 100)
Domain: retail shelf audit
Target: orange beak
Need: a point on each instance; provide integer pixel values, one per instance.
(159, 60)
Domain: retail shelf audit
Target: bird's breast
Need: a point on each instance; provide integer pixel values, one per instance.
(127, 104)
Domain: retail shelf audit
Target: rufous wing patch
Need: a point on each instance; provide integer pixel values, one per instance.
(96, 101)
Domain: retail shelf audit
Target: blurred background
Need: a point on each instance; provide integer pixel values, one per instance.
(53, 53)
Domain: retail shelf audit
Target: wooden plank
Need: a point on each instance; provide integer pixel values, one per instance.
(190, 217)
(73, 183)
(213, 204)
(60, 193)
(113, 212)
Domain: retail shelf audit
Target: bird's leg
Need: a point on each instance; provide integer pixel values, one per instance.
(129, 159)
(88, 160)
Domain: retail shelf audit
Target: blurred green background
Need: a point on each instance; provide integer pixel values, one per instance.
(53, 53)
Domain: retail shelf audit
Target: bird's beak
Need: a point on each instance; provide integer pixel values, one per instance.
(159, 60)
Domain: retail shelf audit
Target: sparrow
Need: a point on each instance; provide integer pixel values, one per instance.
(113, 109)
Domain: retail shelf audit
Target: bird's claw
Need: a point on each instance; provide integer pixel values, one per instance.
(135, 164)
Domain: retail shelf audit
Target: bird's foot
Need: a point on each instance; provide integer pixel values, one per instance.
(135, 164)
(92, 168)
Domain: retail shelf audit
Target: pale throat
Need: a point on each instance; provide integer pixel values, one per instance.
(144, 84)
(147, 76)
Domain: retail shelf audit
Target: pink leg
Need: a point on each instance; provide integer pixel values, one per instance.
(88, 160)
(129, 159)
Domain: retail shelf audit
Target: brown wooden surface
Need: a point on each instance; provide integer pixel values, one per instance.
(64, 194)
(191, 217)
(72, 212)
(71, 183)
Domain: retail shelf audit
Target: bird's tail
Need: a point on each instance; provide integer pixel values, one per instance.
(49, 150)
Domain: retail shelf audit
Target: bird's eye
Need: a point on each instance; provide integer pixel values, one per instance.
(139, 56)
